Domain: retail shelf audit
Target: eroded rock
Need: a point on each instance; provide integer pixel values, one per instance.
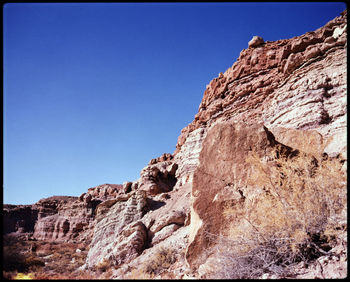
(256, 41)
(119, 235)
(158, 178)
(296, 83)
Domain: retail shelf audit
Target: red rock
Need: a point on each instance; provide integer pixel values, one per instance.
(264, 75)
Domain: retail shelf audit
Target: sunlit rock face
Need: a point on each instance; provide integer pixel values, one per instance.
(187, 157)
(294, 88)
(101, 192)
(222, 177)
(119, 236)
(296, 83)
(291, 89)
(290, 92)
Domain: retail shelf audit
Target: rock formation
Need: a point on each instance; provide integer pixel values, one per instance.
(119, 235)
(289, 93)
(296, 83)
(63, 219)
(221, 179)
(101, 192)
(19, 218)
(294, 87)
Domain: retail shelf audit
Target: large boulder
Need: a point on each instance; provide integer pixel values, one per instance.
(256, 41)
(220, 178)
(158, 177)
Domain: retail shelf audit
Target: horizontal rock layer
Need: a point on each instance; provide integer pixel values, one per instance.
(297, 83)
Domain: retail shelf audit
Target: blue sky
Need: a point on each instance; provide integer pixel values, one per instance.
(93, 91)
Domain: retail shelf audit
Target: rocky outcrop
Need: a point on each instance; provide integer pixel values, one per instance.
(19, 218)
(60, 218)
(119, 235)
(256, 42)
(187, 157)
(289, 93)
(140, 216)
(162, 158)
(157, 177)
(64, 218)
(222, 180)
(295, 83)
(101, 192)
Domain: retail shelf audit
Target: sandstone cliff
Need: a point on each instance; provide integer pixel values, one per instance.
(295, 83)
(287, 96)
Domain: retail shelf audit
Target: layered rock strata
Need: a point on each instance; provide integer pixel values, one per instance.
(296, 83)
(64, 219)
(290, 92)
(295, 89)
(101, 192)
(142, 215)
(157, 177)
(119, 235)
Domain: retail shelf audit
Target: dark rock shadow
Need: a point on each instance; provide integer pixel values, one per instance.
(154, 205)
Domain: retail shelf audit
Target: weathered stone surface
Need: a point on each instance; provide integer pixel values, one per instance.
(296, 83)
(64, 218)
(220, 178)
(158, 178)
(119, 235)
(291, 92)
(187, 157)
(166, 213)
(162, 158)
(127, 187)
(176, 242)
(19, 218)
(256, 41)
(102, 192)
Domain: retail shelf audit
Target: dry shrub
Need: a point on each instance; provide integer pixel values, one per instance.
(34, 263)
(103, 265)
(301, 195)
(163, 259)
(139, 274)
(293, 218)
(43, 259)
(81, 275)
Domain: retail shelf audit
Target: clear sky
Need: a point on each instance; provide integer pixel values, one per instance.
(93, 91)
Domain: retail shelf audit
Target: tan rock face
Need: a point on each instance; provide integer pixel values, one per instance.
(256, 42)
(187, 157)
